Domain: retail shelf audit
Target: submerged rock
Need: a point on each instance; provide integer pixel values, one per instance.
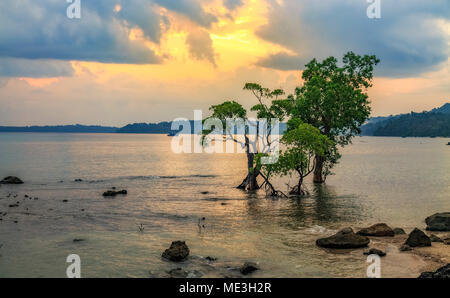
(443, 272)
(113, 193)
(438, 222)
(374, 251)
(178, 273)
(435, 238)
(377, 230)
(248, 268)
(177, 252)
(11, 180)
(345, 238)
(399, 231)
(417, 238)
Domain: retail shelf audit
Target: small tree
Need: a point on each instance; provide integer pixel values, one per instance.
(303, 142)
(231, 111)
(334, 99)
(228, 112)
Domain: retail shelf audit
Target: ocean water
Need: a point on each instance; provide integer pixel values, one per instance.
(393, 180)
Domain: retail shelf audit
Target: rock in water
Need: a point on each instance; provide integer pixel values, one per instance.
(248, 268)
(177, 252)
(417, 238)
(377, 230)
(345, 238)
(11, 180)
(435, 238)
(374, 251)
(113, 193)
(438, 222)
(443, 272)
(399, 231)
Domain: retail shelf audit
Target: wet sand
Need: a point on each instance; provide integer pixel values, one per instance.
(410, 264)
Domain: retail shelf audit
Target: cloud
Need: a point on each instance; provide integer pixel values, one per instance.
(13, 67)
(408, 38)
(191, 9)
(200, 46)
(233, 4)
(283, 61)
(32, 30)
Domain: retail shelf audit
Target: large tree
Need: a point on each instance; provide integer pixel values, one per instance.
(334, 99)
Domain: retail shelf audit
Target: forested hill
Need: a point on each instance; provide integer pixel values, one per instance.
(60, 129)
(435, 123)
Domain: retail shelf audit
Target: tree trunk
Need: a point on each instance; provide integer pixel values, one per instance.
(318, 170)
(250, 182)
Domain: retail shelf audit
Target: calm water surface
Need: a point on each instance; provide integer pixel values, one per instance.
(392, 180)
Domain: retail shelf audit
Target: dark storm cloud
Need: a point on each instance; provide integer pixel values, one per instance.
(407, 38)
(37, 30)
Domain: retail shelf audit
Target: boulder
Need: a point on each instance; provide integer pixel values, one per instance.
(248, 268)
(377, 230)
(417, 238)
(399, 231)
(374, 251)
(177, 252)
(113, 193)
(11, 180)
(435, 238)
(343, 239)
(438, 222)
(443, 272)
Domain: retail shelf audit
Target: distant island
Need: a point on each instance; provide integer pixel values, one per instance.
(434, 123)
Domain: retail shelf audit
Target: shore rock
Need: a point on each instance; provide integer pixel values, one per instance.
(438, 222)
(11, 180)
(443, 272)
(417, 238)
(377, 230)
(343, 239)
(399, 231)
(435, 238)
(374, 251)
(177, 252)
(248, 268)
(113, 193)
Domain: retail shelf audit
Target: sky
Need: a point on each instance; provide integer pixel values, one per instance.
(126, 61)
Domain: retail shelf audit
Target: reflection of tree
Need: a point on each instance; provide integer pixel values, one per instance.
(323, 208)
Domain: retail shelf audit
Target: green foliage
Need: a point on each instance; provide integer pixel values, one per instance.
(302, 142)
(427, 124)
(276, 109)
(334, 98)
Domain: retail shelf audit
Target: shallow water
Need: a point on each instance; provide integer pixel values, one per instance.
(393, 180)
